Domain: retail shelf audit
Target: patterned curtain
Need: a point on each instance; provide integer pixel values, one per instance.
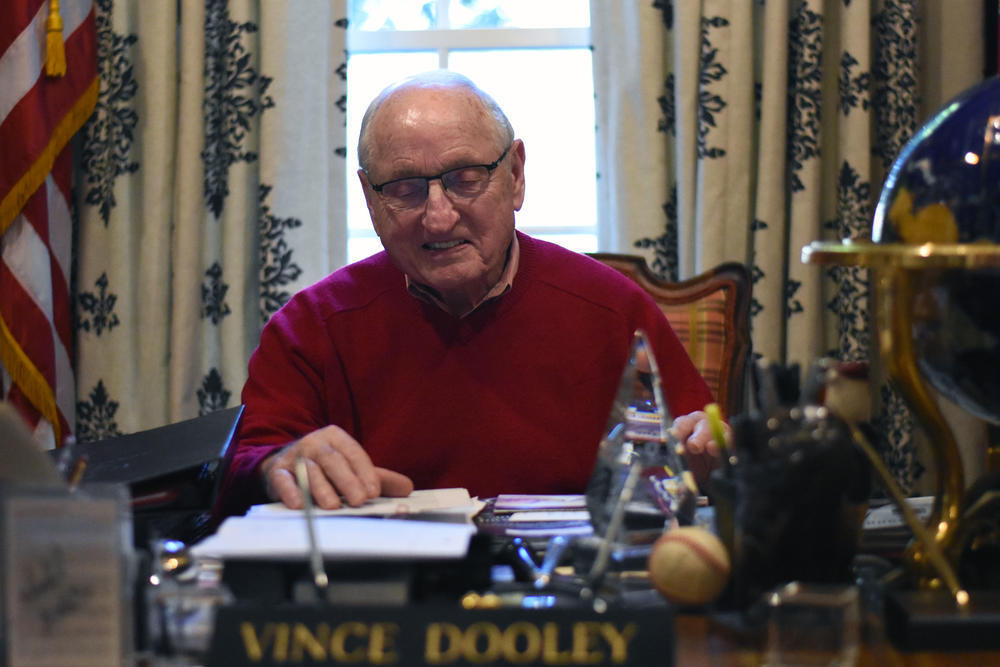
(744, 131)
(209, 189)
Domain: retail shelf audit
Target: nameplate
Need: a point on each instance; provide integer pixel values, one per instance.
(439, 635)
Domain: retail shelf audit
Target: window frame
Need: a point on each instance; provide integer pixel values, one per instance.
(445, 40)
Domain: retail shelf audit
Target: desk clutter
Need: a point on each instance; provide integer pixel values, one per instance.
(786, 545)
(447, 592)
(596, 578)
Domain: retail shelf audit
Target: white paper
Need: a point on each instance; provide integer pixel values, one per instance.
(549, 515)
(285, 537)
(889, 516)
(526, 530)
(444, 501)
(510, 502)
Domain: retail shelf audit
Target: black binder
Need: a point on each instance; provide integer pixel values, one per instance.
(177, 466)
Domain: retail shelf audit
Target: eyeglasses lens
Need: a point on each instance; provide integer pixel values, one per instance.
(463, 183)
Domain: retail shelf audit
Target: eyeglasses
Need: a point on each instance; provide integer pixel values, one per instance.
(461, 183)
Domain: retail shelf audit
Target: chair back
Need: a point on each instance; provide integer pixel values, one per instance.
(710, 313)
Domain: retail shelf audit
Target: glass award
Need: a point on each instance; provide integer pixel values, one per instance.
(640, 485)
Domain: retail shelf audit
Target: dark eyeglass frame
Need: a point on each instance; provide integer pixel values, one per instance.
(490, 168)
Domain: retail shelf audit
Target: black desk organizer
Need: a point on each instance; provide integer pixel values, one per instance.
(787, 508)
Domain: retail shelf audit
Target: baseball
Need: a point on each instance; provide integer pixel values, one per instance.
(689, 565)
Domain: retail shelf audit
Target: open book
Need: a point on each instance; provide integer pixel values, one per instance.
(427, 501)
(274, 532)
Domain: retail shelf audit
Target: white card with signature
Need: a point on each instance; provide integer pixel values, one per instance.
(63, 580)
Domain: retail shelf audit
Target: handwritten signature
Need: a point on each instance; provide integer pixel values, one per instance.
(47, 589)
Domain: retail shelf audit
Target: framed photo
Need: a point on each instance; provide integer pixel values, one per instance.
(65, 567)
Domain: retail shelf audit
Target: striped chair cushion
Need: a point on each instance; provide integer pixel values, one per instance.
(701, 325)
(710, 313)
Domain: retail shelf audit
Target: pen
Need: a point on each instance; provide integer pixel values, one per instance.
(315, 558)
(75, 475)
(553, 552)
(69, 464)
(66, 459)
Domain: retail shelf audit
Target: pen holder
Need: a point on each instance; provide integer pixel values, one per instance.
(790, 503)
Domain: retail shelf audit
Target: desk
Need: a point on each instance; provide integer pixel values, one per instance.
(703, 641)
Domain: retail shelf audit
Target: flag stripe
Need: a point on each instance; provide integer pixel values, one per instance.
(40, 427)
(17, 15)
(41, 325)
(35, 174)
(23, 43)
(42, 122)
(22, 368)
(31, 259)
(26, 322)
(65, 389)
(26, 259)
(24, 52)
(17, 398)
(59, 208)
(61, 315)
(60, 222)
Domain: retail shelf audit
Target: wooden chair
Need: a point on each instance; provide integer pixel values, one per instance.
(710, 313)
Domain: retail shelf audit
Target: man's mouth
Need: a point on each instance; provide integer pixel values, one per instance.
(443, 245)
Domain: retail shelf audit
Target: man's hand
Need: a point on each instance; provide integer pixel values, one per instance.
(701, 451)
(339, 471)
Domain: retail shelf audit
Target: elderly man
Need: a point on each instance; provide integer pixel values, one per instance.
(466, 354)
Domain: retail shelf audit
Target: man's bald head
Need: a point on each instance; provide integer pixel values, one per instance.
(439, 80)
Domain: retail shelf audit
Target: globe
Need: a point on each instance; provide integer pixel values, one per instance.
(944, 188)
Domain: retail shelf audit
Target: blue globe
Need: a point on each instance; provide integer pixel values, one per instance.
(944, 188)
(945, 184)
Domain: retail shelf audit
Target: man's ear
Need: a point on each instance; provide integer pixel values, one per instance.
(517, 172)
(370, 195)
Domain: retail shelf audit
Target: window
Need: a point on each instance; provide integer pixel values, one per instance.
(532, 56)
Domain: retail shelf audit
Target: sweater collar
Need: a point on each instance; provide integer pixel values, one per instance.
(502, 286)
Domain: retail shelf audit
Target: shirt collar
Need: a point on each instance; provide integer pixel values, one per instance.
(502, 286)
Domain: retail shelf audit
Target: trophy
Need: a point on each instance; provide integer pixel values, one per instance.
(640, 485)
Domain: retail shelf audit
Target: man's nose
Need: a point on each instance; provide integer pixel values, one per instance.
(439, 211)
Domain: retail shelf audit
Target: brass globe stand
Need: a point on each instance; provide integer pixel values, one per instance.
(898, 271)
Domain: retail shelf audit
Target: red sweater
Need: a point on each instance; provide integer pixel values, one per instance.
(511, 399)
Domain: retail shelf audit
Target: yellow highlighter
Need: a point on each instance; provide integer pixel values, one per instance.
(714, 415)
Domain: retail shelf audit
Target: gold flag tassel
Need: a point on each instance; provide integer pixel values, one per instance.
(55, 51)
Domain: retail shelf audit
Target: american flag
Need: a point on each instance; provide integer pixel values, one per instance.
(44, 100)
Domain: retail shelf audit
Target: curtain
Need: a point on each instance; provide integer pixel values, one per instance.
(744, 131)
(209, 189)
